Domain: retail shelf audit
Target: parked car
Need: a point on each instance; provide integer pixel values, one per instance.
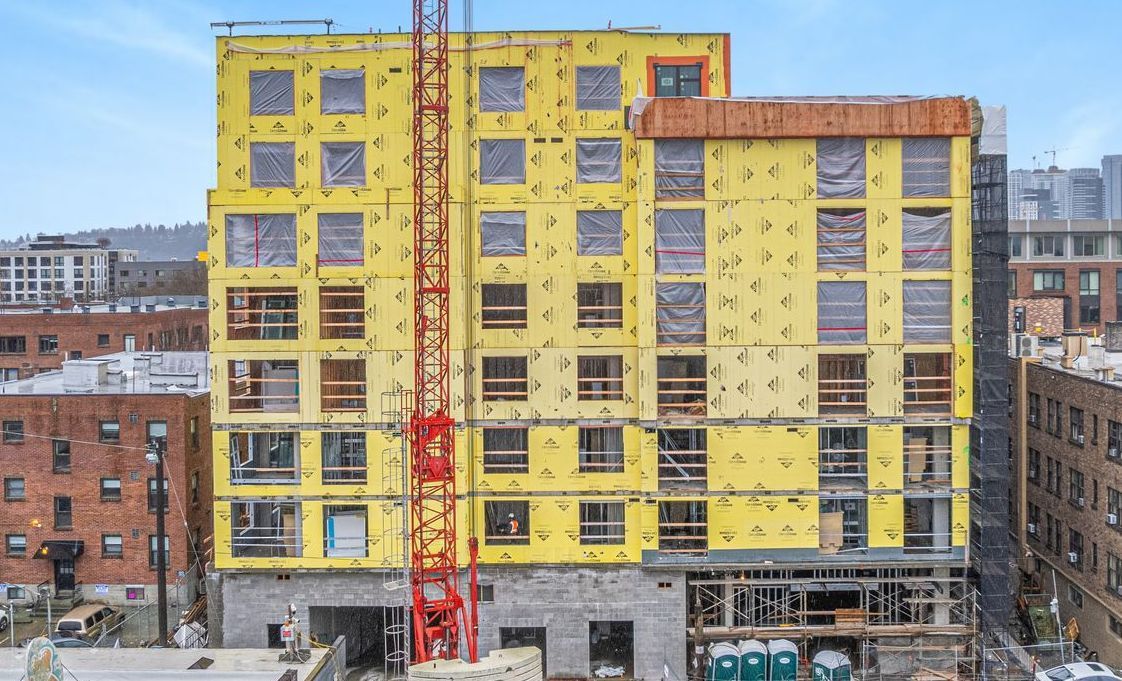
(90, 620)
(4, 620)
(67, 641)
(1078, 671)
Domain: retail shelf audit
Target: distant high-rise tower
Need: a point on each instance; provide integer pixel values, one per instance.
(1112, 186)
(1085, 191)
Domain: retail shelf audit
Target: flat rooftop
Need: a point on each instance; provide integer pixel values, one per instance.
(168, 664)
(122, 373)
(1093, 366)
(122, 306)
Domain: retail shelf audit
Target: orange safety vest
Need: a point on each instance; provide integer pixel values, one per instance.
(514, 526)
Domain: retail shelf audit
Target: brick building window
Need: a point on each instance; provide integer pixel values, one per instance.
(15, 545)
(15, 489)
(600, 306)
(1088, 245)
(1113, 507)
(1075, 595)
(193, 431)
(152, 495)
(153, 556)
(109, 431)
(110, 489)
(1048, 280)
(64, 513)
(1033, 528)
(1016, 246)
(13, 432)
(1075, 487)
(1075, 549)
(1114, 572)
(506, 450)
(1115, 625)
(102, 340)
(60, 461)
(1089, 297)
(1034, 410)
(1012, 284)
(13, 345)
(600, 449)
(112, 546)
(1075, 424)
(602, 522)
(48, 345)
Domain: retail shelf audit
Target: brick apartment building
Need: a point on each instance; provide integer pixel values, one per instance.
(1066, 490)
(78, 510)
(34, 340)
(1077, 261)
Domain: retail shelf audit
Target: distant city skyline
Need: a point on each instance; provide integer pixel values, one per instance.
(111, 102)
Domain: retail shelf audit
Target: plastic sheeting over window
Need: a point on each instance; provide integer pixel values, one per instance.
(598, 88)
(680, 241)
(841, 312)
(503, 233)
(679, 169)
(258, 240)
(599, 232)
(271, 93)
(502, 88)
(927, 166)
(340, 239)
(343, 164)
(927, 312)
(599, 161)
(841, 240)
(342, 91)
(272, 164)
(680, 313)
(927, 239)
(841, 167)
(502, 161)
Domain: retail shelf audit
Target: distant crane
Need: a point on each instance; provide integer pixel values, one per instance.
(1053, 152)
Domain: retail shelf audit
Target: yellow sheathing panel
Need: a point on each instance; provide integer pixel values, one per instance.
(763, 458)
(886, 520)
(885, 457)
(960, 457)
(758, 522)
(960, 518)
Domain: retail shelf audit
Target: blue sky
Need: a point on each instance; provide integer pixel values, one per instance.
(109, 104)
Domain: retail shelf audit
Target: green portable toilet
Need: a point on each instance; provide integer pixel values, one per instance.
(783, 660)
(830, 665)
(753, 661)
(724, 662)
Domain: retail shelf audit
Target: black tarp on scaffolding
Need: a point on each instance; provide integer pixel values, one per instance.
(989, 434)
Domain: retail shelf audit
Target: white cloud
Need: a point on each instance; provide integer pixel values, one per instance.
(124, 24)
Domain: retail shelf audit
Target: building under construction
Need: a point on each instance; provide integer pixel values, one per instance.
(712, 359)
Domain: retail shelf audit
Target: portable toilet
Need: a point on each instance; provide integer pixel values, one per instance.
(783, 660)
(753, 661)
(830, 665)
(724, 662)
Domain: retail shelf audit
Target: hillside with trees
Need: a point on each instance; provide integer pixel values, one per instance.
(155, 242)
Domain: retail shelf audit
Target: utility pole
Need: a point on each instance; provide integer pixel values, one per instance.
(156, 447)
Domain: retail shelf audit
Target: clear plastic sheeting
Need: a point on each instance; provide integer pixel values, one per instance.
(598, 88)
(272, 164)
(927, 312)
(342, 91)
(343, 164)
(927, 166)
(271, 93)
(503, 233)
(502, 88)
(502, 161)
(599, 232)
(340, 239)
(993, 138)
(679, 169)
(261, 240)
(841, 312)
(841, 167)
(927, 239)
(599, 161)
(680, 241)
(680, 313)
(841, 240)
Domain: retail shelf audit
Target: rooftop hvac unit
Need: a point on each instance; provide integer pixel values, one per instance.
(1031, 528)
(1111, 518)
(1072, 557)
(1025, 345)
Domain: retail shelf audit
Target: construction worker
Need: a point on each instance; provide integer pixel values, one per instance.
(288, 636)
(512, 524)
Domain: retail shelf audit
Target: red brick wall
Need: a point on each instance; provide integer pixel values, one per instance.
(178, 329)
(1107, 287)
(76, 418)
(1043, 316)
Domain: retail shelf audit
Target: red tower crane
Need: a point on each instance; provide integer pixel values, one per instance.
(440, 619)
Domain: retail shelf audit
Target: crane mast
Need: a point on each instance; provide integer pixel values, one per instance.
(439, 616)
